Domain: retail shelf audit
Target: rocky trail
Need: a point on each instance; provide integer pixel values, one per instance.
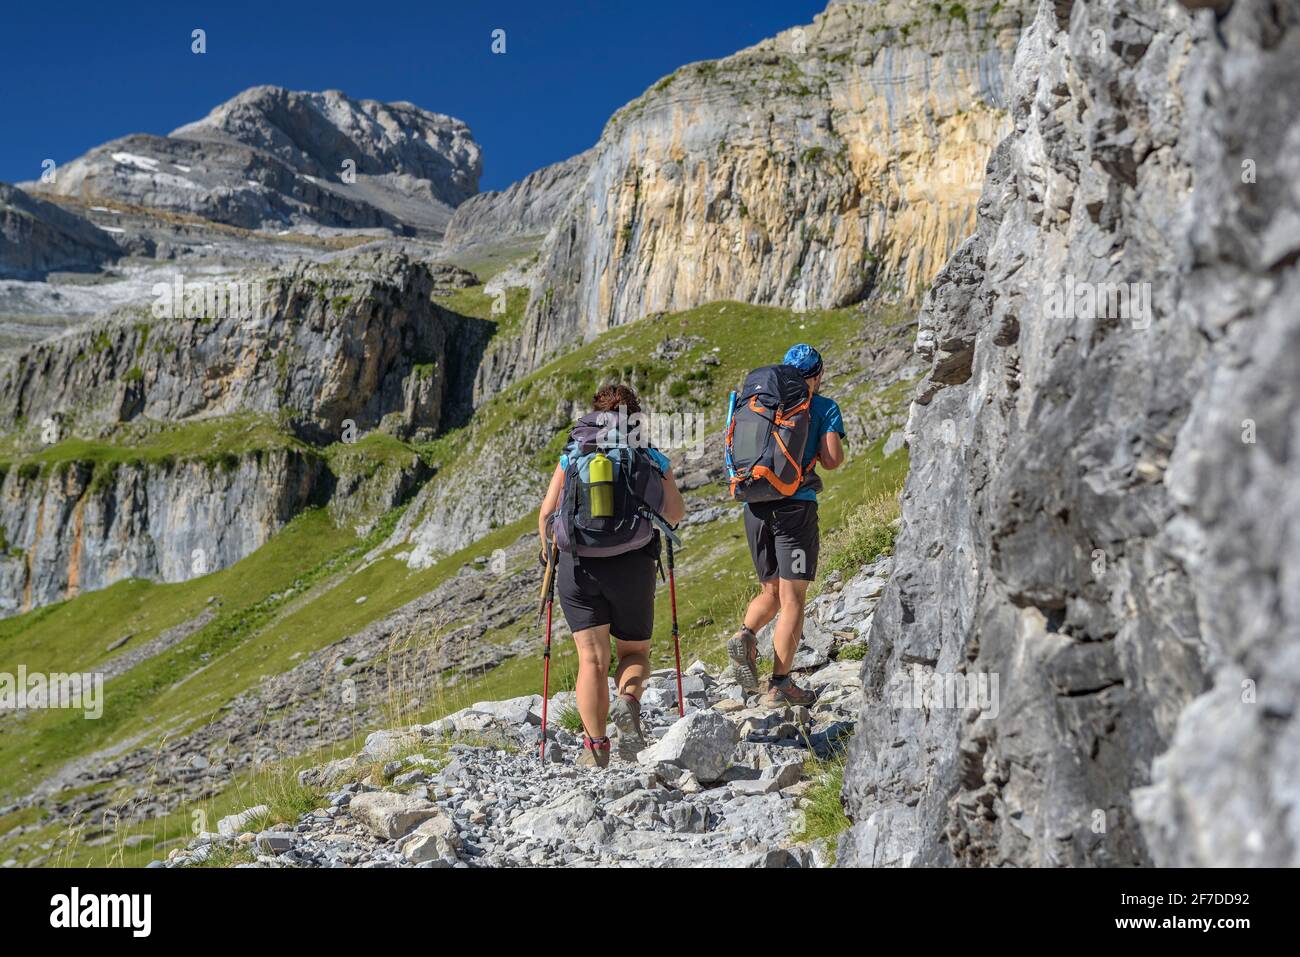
(724, 786)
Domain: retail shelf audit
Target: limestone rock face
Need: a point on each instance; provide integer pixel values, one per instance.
(272, 158)
(834, 161)
(1101, 513)
(526, 208)
(37, 237)
(68, 532)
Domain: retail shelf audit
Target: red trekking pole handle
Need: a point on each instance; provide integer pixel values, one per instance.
(677, 647)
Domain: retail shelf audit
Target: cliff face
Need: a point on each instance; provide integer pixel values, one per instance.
(272, 157)
(224, 421)
(526, 208)
(70, 532)
(832, 162)
(357, 339)
(1101, 514)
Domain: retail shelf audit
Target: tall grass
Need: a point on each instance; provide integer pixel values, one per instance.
(822, 810)
(867, 533)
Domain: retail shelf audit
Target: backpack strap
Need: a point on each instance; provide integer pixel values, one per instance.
(568, 511)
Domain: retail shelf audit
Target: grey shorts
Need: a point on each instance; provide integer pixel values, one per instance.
(783, 539)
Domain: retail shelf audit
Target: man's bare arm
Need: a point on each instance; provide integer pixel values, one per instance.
(831, 453)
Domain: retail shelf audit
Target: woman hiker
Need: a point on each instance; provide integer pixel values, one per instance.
(608, 556)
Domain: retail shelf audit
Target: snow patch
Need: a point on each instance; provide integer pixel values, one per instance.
(146, 163)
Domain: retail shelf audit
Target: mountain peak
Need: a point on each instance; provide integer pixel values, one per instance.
(274, 158)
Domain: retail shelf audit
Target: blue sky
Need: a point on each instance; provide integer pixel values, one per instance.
(77, 74)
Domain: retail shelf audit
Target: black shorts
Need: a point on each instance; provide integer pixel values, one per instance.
(618, 591)
(783, 539)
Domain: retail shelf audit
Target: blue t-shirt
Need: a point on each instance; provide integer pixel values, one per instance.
(825, 418)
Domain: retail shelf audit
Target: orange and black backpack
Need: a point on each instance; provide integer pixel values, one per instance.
(767, 432)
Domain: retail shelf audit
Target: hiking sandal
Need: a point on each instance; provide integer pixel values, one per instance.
(789, 695)
(742, 649)
(595, 754)
(625, 712)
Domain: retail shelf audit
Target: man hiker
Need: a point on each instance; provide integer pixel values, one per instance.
(783, 541)
(608, 552)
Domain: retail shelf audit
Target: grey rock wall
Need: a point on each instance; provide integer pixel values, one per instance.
(1102, 506)
(37, 238)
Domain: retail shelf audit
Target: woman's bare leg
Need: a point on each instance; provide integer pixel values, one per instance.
(593, 678)
(633, 667)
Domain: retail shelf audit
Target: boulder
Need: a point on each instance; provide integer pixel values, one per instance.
(526, 709)
(385, 744)
(390, 816)
(435, 839)
(562, 818)
(234, 824)
(701, 742)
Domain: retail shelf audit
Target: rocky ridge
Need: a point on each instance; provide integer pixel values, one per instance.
(528, 208)
(272, 158)
(37, 238)
(349, 339)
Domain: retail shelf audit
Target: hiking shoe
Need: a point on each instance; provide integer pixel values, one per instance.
(595, 754)
(790, 695)
(742, 649)
(625, 712)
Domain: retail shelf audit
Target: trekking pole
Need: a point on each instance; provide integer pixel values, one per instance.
(677, 647)
(548, 589)
(671, 535)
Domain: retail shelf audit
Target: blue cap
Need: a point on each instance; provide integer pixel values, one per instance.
(804, 358)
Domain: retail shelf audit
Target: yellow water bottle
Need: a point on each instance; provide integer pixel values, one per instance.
(601, 473)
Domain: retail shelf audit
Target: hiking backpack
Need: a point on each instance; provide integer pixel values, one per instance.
(767, 433)
(637, 485)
